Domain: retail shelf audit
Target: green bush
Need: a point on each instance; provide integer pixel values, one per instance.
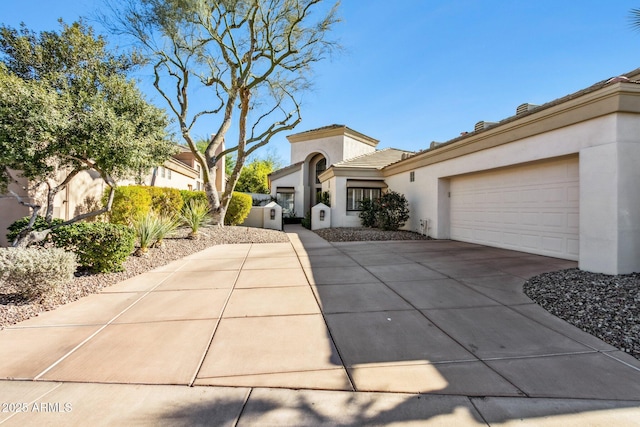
(128, 203)
(368, 209)
(239, 208)
(39, 224)
(100, 247)
(165, 201)
(389, 212)
(188, 195)
(306, 221)
(35, 273)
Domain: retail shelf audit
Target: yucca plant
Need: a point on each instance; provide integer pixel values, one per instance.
(194, 215)
(167, 225)
(148, 227)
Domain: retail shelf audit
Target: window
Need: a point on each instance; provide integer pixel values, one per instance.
(321, 166)
(161, 171)
(356, 195)
(169, 173)
(286, 199)
(412, 176)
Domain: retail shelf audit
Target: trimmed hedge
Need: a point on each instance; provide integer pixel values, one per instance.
(100, 247)
(35, 273)
(129, 202)
(188, 195)
(165, 201)
(239, 208)
(132, 201)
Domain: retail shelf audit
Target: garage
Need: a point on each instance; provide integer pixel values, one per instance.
(531, 208)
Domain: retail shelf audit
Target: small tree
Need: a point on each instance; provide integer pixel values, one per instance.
(253, 55)
(66, 106)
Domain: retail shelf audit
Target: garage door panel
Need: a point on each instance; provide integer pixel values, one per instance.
(533, 208)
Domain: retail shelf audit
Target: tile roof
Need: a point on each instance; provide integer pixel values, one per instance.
(377, 159)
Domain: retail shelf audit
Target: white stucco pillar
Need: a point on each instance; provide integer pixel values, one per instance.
(610, 208)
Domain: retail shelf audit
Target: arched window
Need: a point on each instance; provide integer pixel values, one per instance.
(321, 166)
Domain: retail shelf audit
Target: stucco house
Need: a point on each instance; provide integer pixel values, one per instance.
(559, 179)
(297, 187)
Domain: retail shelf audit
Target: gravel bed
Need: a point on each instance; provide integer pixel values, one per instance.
(347, 234)
(605, 306)
(13, 310)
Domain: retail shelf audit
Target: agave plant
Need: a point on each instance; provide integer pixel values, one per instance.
(195, 214)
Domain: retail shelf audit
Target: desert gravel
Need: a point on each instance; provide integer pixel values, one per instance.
(605, 306)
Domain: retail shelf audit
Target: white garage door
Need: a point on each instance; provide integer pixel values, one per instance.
(532, 208)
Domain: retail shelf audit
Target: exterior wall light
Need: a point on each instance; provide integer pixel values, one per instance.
(322, 215)
(272, 214)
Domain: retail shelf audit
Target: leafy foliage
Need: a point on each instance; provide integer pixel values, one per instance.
(239, 208)
(389, 212)
(165, 201)
(100, 247)
(33, 273)
(306, 221)
(188, 195)
(253, 178)
(66, 106)
(39, 224)
(368, 211)
(129, 203)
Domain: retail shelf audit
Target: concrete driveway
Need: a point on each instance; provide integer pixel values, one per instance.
(313, 333)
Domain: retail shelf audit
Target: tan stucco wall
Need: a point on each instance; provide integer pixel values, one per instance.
(11, 210)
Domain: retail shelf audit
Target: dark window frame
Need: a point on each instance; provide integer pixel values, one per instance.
(365, 190)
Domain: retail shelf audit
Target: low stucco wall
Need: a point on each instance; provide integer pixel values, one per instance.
(255, 218)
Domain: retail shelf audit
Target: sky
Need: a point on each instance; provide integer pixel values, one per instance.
(426, 70)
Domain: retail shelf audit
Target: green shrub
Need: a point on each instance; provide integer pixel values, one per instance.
(368, 209)
(239, 208)
(39, 224)
(188, 195)
(306, 221)
(35, 273)
(165, 201)
(194, 215)
(100, 247)
(389, 212)
(128, 203)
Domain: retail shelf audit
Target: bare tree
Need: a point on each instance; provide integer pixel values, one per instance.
(253, 56)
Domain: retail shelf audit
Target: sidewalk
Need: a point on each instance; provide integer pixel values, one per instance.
(313, 333)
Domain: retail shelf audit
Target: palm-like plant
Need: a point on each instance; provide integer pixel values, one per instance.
(195, 214)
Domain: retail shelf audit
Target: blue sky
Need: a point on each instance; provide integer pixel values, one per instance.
(426, 70)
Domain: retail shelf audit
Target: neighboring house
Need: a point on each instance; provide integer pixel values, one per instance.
(560, 179)
(85, 191)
